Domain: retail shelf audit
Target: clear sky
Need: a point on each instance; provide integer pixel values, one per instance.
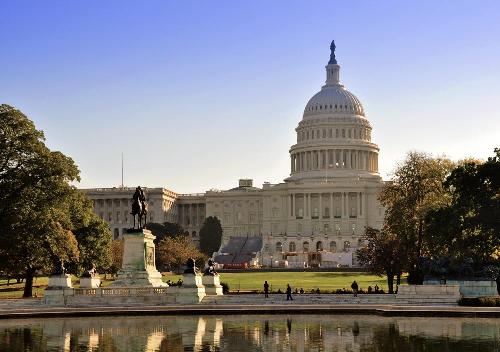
(197, 94)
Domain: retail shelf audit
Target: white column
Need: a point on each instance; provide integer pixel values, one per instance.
(360, 204)
(363, 204)
(343, 205)
(331, 205)
(320, 206)
(309, 205)
(347, 204)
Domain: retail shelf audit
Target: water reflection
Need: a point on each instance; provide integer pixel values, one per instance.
(251, 333)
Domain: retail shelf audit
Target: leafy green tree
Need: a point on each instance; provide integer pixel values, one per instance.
(210, 235)
(415, 189)
(173, 252)
(382, 254)
(116, 256)
(167, 229)
(40, 212)
(469, 225)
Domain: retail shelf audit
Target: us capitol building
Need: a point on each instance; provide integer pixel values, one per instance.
(316, 217)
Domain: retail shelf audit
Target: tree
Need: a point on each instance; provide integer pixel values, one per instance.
(382, 255)
(415, 189)
(40, 211)
(173, 252)
(116, 256)
(469, 225)
(167, 229)
(210, 235)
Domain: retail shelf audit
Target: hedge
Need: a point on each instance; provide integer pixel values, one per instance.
(480, 301)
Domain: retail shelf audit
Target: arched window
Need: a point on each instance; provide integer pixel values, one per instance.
(347, 245)
(305, 246)
(333, 246)
(319, 246)
(116, 233)
(193, 233)
(279, 247)
(291, 247)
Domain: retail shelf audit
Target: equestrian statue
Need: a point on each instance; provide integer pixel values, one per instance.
(139, 208)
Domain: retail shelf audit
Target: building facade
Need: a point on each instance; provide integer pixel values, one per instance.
(315, 217)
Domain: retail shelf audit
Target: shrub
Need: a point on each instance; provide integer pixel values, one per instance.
(225, 287)
(480, 301)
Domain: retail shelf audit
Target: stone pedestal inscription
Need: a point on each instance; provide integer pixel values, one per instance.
(90, 282)
(59, 282)
(138, 266)
(212, 285)
(192, 289)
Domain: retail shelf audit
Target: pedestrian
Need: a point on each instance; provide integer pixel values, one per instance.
(354, 287)
(266, 289)
(288, 293)
(376, 288)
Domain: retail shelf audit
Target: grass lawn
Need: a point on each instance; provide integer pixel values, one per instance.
(250, 281)
(15, 290)
(306, 280)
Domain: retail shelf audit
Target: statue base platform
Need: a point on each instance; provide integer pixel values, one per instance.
(191, 291)
(212, 285)
(127, 278)
(90, 282)
(59, 282)
(138, 265)
(55, 291)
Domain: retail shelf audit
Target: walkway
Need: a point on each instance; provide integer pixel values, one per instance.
(233, 305)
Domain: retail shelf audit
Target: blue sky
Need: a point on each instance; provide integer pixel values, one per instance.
(197, 94)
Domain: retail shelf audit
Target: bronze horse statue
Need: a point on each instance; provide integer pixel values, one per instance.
(139, 208)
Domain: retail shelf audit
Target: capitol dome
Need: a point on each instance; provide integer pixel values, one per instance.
(334, 135)
(333, 98)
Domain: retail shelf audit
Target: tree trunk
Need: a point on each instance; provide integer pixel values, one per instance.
(390, 282)
(417, 273)
(398, 281)
(28, 286)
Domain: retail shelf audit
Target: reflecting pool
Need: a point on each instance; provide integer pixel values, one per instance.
(251, 333)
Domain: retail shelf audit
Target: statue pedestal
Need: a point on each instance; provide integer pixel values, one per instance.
(192, 289)
(90, 282)
(212, 285)
(55, 291)
(138, 266)
(59, 282)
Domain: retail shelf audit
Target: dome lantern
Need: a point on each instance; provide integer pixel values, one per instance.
(333, 99)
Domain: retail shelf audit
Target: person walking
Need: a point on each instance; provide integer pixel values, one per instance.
(266, 289)
(354, 287)
(288, 293)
